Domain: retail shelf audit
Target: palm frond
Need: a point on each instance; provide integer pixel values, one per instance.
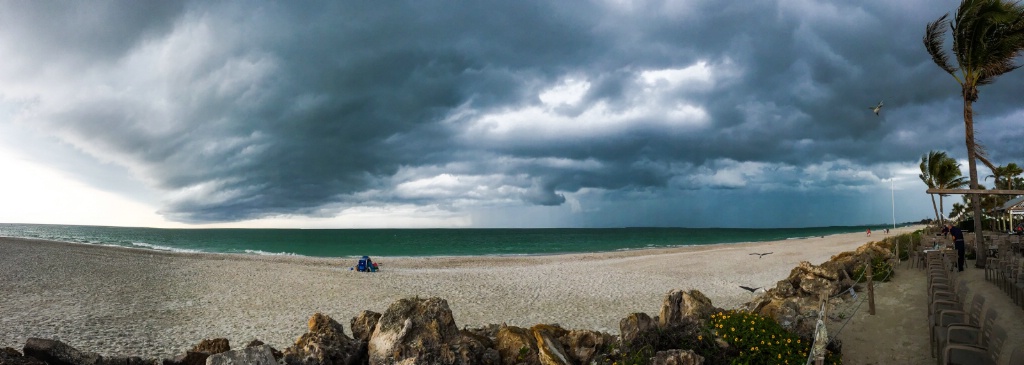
(933, 36)
(988, 36)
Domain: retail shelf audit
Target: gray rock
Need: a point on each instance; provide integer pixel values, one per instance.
(679, 304)
(677, 357)
(54, 352)
(362, 325)
(476, 349)
(516, 346)
(188, 358)
(277, 354)
(10, 356)
(212, 346)
(550, 349)
(423, 331)
(583, 346)
(633, 325)
(324, 344)
(257, 355)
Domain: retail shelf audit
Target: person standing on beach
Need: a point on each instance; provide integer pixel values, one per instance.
(958, 244)
(869, 232)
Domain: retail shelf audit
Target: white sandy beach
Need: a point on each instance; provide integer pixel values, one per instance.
(117, 301)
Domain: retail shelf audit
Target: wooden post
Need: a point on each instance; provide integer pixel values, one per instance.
(897, 254)
(871, 290)
(819, 358)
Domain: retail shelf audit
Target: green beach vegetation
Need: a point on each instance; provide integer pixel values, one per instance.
(730, 337)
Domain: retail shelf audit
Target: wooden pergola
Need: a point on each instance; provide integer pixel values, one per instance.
(979, 263)
(971, 191)
(980, 192)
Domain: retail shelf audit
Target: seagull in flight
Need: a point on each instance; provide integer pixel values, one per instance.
(753, 290)
(760, 255)
(876, 108)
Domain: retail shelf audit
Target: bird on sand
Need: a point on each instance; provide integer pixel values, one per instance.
(760, 255)
(876, 108)
(753, 290)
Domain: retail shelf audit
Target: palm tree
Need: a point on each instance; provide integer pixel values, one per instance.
(987, 36)
(958, 211)
(939, 171)
(948, 176)
(1005, 176)
(929, 163)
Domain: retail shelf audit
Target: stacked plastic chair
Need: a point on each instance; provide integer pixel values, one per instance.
(985, 350)
(941, 275)
(943, 291)
(1009, 272)
(956, 317)
(1016, 286)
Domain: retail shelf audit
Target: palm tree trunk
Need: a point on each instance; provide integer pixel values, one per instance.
(942, 212)
(979, 242)
(936, 209)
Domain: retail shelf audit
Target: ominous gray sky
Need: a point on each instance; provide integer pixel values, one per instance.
(487, 114)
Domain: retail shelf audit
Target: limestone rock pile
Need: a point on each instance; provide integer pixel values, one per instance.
(795, 301)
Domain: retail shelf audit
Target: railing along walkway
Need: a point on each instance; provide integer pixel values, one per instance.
(901, 314)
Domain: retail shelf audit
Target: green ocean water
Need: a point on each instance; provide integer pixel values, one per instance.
(410, 242)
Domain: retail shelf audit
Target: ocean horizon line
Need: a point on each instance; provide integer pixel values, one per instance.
(409, 242)
(884, 225)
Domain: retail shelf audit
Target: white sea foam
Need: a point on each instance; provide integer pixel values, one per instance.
(265, 253)
(164, 248)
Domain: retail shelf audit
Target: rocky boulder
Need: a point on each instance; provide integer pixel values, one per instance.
(678, 304)
(188, 358)
(324, 344)
(10, 356)
(362, 325)
(200, 352)
(256, 355)
(277, 354)
(549, 348)
(212, 346)
(677, 357)
(516, 345)
(794, 302)
(54, 352)
(633, 325)
(583, 346)
(473, 348)
(423, 331)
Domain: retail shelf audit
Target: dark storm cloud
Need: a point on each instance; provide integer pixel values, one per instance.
(249, 110)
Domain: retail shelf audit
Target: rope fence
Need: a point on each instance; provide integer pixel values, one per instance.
(847, 310)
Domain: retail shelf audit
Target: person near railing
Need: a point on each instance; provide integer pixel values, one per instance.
(958, 244)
